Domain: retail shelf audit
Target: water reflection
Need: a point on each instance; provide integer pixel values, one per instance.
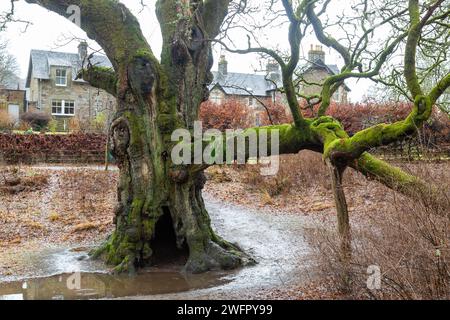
(81, 286)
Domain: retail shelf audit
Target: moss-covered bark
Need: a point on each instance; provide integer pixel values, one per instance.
(155, 98)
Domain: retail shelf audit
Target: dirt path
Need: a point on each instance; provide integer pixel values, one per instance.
(275, 241)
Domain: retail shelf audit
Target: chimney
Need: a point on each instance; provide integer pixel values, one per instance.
(223, 65)
(273, 70)
(315, 54)
(82, 50)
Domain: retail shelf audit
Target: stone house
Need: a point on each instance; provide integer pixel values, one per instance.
(13, 101)
(252, 90)
(53, 87)
(315, 72)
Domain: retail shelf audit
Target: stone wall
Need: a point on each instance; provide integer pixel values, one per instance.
(258, 111)
(318, 75)
(8, 97)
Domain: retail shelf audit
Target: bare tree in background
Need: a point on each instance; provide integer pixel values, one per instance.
(8, 67)
(401, 45)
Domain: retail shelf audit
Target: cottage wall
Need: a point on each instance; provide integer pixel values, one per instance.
(89, 101)
(318, 75)
(12, 97)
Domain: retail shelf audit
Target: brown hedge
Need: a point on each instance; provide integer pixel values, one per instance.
(35, 147)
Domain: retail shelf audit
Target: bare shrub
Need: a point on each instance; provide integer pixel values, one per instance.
(409, 241)
(232, 114)
(38, 120)
(303, 171)
(278, 114)
(270, 186)
(75, 125)
(24, 126)
(100, 123)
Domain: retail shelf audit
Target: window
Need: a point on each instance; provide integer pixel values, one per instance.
(61, 77)
(57, 107)
(69, 107)
(63, 107)
(216, 97)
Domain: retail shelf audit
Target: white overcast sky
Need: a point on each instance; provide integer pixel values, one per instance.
(50, 31)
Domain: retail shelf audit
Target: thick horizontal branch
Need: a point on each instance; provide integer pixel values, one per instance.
(240, 144)
(381, 134)
(108, 22)
(398, 180)
(292, 140)
(100, 77)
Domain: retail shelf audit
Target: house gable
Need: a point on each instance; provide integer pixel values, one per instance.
(65, 100)
(41, 64)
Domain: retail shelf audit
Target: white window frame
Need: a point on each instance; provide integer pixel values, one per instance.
(62, 70)
(215, 97)
(63, 108)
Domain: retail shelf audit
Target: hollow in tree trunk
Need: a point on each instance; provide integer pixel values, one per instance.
(157, 201)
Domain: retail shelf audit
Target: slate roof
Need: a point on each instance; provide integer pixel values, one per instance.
(242, 84)
(245, 84)
(41, 61)
(331, 68)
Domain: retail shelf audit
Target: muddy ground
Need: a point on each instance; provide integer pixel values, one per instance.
(47, 227)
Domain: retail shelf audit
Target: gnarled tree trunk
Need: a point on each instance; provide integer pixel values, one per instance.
(159, 205)
(154, 100)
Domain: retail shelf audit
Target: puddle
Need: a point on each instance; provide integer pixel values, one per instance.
(276, 242)
(68, 274)
(83, 286)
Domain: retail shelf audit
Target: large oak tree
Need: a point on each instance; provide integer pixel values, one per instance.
(157, 96)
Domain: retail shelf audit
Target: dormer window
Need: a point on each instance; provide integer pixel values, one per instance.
(61, 77)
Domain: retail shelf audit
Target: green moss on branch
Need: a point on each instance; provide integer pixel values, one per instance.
(398, 180)
(339, 146)
(101, 77)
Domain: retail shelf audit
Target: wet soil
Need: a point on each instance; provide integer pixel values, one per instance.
(64, 271)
